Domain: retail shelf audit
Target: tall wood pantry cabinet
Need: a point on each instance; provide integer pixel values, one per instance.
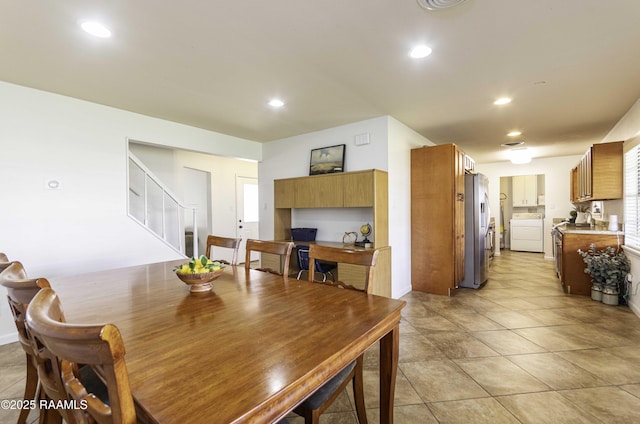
(437, 218)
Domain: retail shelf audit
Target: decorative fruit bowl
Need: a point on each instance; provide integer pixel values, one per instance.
(199, 273)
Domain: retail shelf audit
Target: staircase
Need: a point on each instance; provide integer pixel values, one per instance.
(152, 205)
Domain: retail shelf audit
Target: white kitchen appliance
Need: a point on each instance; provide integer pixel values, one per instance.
(527, 233)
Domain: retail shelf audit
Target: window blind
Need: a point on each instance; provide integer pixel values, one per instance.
(632, 197)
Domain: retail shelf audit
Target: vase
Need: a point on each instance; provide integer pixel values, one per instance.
(596, 294)
(610, 299)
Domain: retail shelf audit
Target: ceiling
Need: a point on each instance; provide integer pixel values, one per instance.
(571, 66)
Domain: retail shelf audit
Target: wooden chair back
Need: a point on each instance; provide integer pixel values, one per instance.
(67, 345)
(363, 257)
(13, 270)
(230, 243)
(4, 261)
(281, 248)
(20, 292)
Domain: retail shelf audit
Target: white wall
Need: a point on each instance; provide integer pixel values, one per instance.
(557, 188)
(82, 226)
(289, 157)
(401, 140)
(388, 151)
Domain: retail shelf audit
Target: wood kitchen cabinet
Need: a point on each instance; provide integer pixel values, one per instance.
(570, 263)
(321, 191)
(437, 218)
(357, 189)
(598, 175)
(525, 190)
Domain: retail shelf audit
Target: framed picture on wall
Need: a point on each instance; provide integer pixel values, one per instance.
(327, 160)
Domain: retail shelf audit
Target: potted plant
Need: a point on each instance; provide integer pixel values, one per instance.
(608, 269)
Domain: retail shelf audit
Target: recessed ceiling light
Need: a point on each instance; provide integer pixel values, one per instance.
(96, 29)
(276, 103)
(418, 52)
(502, 101)
(514, 133)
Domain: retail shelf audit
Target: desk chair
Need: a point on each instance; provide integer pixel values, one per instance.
(20, 292)
(99, 347)
(281, 248)
(316, 404)
(231, 243)
(302, 260)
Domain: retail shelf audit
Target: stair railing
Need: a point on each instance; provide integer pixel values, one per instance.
(155, 207)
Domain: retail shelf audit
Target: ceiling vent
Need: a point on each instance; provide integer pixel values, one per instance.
(512, 143)
(439, 4)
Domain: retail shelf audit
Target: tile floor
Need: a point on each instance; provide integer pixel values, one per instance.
(516, 351)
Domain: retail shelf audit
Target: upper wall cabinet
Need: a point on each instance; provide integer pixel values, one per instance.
(598, 175)
(525, 191)
(339, 190)
(357, 189)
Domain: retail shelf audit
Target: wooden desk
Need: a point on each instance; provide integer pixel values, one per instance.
(352, 274)
(249, 351)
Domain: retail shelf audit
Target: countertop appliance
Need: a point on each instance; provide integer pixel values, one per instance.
(478, 234)
(527, 232)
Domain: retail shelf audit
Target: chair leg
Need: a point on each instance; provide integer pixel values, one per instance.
(30, 388)
(358, 390)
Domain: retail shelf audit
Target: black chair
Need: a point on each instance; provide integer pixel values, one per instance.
(302, 260)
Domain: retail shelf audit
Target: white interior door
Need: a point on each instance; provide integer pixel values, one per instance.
(247, 208)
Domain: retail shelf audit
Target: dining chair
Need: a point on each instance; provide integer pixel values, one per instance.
(280, 248)
(317, 403)
(4, 261)
(231, 243)
(302, 260)
(99, 348)
(363, 257)
(20, 292)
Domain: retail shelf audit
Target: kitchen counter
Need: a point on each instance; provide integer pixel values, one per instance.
(569, 263)
(578, 229)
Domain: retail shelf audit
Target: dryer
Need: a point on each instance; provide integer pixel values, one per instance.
(527, 232)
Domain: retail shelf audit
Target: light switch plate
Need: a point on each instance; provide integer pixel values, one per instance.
(362, 139)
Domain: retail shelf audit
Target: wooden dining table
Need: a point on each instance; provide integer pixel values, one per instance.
(249, 350)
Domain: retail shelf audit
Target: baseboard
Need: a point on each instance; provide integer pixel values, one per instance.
(635, 309)
(8, 338)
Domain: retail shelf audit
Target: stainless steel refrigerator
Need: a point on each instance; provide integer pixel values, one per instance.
(477, 217)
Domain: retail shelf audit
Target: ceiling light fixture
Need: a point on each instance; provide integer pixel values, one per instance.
(96, 29)
(419, 52)
(514, 133)
(502, 101)
(438, 4)
(520, 155)
(276, 103)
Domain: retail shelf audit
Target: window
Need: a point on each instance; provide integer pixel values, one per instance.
(632, 197)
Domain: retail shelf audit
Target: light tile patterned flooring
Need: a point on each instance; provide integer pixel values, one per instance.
(516, 351)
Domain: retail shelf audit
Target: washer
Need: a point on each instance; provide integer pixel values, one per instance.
(527, 232)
